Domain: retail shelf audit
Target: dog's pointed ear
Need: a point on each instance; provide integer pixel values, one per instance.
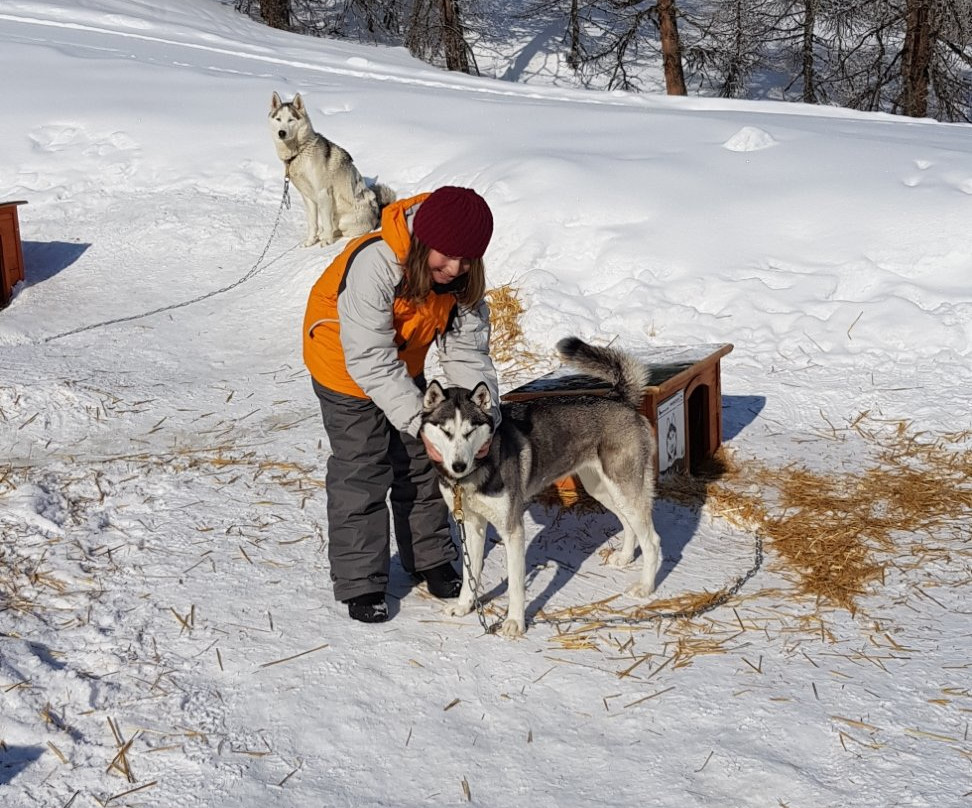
(298, 103)
(482, 398)
(275, 102)
(434, 396)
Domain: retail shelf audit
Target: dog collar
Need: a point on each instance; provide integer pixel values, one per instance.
(457, 513)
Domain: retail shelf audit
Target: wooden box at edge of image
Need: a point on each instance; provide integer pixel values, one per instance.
(11, 251)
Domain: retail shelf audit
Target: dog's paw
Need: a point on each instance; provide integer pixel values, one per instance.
(458, 608)
(310, 241)
(618, 558)
(512, 628)
(641, 591)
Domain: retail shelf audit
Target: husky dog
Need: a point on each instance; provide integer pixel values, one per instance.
(337, 200)
(605, 441)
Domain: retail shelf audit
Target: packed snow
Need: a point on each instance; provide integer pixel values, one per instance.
(168, 636)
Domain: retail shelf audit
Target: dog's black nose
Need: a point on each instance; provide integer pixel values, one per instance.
(458, 466)
(281, 133)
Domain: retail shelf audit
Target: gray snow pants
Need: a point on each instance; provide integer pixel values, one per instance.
(370, 458)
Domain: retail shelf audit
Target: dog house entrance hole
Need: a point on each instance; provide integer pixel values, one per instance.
(697, 418)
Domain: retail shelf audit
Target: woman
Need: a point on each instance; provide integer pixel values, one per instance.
(370, 320)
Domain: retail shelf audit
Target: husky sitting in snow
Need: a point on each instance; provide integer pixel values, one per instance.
(337, 200)
(604, 440)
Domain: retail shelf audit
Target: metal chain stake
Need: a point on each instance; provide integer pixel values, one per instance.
(683, 614)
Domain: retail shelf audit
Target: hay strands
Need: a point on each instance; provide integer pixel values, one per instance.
(835, 534)
(120, 762)
(294, 656)
(118, 796)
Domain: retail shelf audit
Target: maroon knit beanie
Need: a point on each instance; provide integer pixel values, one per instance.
(455, 221)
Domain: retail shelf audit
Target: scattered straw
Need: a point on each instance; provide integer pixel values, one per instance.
(291, 774)
(834, 535)
(120, 762)
(507, 345)
(647, 698)
(294, 656)
(932, 736)
(57, 752)
(505, 310)
(130, 791)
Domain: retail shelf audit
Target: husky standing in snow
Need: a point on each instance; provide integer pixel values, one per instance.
(337, 200)
(604, 440)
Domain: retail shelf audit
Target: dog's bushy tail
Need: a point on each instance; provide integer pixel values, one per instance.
(383, 194)
(626, 374)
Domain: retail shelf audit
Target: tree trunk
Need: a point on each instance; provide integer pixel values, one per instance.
(809, 81)
(671, 47)
(916, 58)
(573, 52)
(453, 41)
(276, 13)
(733, 84)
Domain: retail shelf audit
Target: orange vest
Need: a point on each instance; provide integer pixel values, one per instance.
(416, 325)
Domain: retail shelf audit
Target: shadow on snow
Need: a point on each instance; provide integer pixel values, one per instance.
(45, 259)
(14, 759)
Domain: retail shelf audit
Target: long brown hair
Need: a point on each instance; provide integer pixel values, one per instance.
(417, 280)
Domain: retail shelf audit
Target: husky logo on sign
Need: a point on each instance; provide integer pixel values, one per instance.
(671, 433)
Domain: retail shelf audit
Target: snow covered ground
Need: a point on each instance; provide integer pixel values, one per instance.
(167, 631)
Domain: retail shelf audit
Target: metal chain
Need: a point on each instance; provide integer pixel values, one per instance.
(682, 614)
(459, 517)
(284, 203)
(726, 595)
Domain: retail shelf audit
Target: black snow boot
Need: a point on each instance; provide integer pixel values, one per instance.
(443, 581)
(370, 608)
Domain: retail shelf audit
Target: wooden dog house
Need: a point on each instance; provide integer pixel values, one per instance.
(11, 251)
(682, 400)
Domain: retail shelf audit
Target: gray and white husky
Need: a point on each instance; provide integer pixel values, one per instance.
(604, 440)
(337, 200)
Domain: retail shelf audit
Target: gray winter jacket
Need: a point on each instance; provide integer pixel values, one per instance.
(372, 346)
